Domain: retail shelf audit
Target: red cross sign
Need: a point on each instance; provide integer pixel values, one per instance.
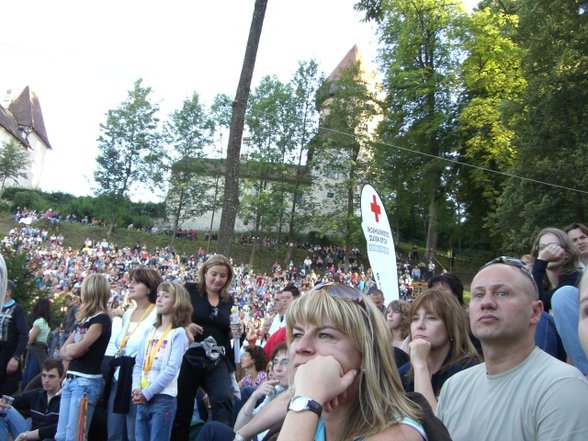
(375, 208)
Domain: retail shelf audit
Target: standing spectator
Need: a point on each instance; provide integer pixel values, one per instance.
(155, 375)
(69, 321)
(83, 352)
(37, 350)
(208, 363)
(14, 333)
(519, 392)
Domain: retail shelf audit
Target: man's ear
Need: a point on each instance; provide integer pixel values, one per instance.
(537, 306)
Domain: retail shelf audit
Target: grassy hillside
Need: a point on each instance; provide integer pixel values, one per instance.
(75, 234)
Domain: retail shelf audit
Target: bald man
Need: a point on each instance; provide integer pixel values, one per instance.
(519, 392)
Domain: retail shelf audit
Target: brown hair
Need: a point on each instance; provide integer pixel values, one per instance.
(216, 260)
(148, 277)
(401, 307)
(572, 255)
(445, 306)
(258, 356)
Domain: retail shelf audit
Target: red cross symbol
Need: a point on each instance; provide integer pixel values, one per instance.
(375, 208)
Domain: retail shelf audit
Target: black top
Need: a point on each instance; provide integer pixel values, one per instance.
(90, 362)
(437, 379)
(44, 416)
(215, 321)
(545, 295)
(14, 331)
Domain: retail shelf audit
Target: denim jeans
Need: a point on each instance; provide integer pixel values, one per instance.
(155, 418)
(121, 427)
(565, 304)
(69, 408)
(14, 423)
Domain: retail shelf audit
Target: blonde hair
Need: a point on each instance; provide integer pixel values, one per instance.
(381, 400)
(95, 295)
(182, 307)
(445, 306)
(216, 260)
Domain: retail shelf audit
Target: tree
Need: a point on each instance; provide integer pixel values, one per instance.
(231, 202)
(14, 161)
(131, 151)
(492, 82)
(551, 134)
(188, 131)
(420, 53)
(268, 147)
(341, 152)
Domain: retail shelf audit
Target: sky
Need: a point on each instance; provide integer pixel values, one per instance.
(82, 58)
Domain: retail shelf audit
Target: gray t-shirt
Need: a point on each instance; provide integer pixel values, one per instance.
(540, 399)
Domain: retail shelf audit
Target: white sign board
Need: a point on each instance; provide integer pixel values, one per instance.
(380, 244)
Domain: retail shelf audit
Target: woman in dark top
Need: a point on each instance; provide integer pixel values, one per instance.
(440, 345)
(556, 263)
(210, 320)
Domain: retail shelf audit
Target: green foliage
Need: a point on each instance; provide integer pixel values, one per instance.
(421, 53)
(14, 161)
(19, 265)
(31, 199)
(131, 151)
(551, 131)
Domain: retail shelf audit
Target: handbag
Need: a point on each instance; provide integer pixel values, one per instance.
(204, 355)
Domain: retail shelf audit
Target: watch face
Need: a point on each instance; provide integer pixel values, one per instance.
(299, 403)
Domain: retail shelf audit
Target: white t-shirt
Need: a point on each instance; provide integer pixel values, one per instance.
(540, 399)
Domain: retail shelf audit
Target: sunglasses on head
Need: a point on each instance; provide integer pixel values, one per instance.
(514, 262)
(341, 291)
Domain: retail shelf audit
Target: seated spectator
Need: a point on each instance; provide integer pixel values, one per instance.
(519, 392)
(254, 362)
(440, 345)
(248, 422)
(556, 273)
(42, 405)
(398, 322)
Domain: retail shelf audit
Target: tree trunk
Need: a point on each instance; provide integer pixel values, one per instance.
(432, 228)
(229, 214)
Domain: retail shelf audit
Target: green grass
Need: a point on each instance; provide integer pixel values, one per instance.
(75, 234)
(466, 264)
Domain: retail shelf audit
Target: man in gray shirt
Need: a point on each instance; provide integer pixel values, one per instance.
(519, 392)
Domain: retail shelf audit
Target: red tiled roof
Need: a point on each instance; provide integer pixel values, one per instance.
(27, 112)
(8, 122)
(353, 56)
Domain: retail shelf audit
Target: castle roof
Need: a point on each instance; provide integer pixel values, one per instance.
(27, 113)
(8, 122)
(352, 57)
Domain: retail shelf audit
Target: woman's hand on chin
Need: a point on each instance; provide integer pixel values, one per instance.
(323, 380)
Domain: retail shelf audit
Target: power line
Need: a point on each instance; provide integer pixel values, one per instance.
(454, 161)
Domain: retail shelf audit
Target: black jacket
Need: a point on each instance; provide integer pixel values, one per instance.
(44, 417)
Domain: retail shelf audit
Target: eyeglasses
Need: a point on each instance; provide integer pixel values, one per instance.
(513, 261)
(545, 245)
(341, 291)
(213, 313)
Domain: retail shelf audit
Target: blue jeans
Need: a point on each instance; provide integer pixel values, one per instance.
(121, 427)
(69, 408)
(565, 304)
(14, 423)
(155, 418)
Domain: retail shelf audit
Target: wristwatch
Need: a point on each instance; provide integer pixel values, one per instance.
(301, 403)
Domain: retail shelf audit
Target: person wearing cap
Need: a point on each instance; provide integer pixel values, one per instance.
(519, 392)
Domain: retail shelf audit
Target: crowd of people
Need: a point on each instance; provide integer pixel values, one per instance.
(158, 346)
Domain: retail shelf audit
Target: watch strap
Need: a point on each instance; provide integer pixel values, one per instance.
(310, 404)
